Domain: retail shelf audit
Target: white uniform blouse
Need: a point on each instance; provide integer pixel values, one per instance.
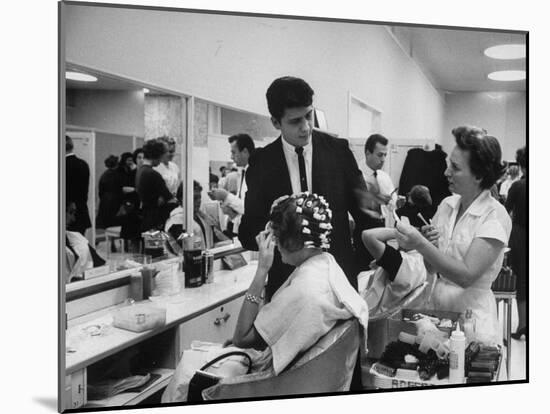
(484, 218)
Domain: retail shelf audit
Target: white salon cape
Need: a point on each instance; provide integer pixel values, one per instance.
(315, 296)
(485, 218)
(384, 296)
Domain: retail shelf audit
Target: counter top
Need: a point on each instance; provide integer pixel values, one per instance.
(83, 348)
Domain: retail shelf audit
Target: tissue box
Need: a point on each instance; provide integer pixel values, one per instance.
(139, 317)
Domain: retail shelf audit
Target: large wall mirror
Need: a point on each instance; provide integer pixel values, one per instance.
(109, 119)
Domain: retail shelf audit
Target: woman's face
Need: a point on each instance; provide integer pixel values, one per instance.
(139, 159)
(458, 173)
(129, 163)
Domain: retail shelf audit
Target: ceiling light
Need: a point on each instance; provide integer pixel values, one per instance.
(145, 90)
(507, 75)
(511, 51)
(79, 76)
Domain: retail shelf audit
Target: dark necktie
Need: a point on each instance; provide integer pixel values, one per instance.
(302, 168)
(242, 180)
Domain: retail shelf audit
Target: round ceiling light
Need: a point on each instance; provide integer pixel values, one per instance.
(507, 75)
(511, 51)
(79, 76)
(146, 90)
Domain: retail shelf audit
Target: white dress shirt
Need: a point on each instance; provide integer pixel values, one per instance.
(236, 202)
(293, 167)
(384, 181)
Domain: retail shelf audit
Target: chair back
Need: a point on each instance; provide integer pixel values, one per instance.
(325, 367)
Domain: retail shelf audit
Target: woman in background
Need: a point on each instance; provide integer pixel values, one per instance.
(516, 204)
(470, 231)
(156, 200)
(110, 194)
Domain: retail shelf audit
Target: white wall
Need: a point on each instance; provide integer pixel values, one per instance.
(502, 114)
(117, 112)
(232, 60)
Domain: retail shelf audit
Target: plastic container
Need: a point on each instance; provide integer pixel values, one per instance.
(456, 356)
(139, 317)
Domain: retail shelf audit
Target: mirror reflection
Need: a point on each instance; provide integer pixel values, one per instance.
(126, 175)
(123, 169)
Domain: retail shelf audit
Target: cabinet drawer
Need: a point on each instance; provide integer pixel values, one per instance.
(216, 325)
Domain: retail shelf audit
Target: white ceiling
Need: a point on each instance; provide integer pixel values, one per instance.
(451, 59)
(454, 61)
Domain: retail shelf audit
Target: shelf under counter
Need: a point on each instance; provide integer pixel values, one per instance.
(133, 398)
(188, 304)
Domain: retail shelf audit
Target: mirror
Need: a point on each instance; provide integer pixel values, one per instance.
(213, 125)
(108, 121)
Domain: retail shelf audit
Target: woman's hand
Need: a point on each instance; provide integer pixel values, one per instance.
(407, 236)
(266, 247)
(431, 233)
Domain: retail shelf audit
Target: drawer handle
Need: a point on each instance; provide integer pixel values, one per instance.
(221, 319)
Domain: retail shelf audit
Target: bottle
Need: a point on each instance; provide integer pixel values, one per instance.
(456, 356)
(469, 326)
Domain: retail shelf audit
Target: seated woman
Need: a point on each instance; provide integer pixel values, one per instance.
(465, 245)
(79, 255)
(315, 296)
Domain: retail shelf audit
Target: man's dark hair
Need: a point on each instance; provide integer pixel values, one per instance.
(287, 92)
(373, 140)
(68, 144)
(243, 141)
(521, 157)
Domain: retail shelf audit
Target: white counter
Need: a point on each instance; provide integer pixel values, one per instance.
(86, 349)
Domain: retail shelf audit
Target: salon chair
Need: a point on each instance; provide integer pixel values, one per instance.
(325, 367)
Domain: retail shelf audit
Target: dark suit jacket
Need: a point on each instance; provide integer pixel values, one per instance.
(77, 180)
(335, 176)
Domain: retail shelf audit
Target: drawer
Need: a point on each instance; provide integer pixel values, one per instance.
(216, 325)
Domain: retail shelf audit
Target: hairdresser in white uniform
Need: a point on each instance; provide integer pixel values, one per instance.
(465, 244)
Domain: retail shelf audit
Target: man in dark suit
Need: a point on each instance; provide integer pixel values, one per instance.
(77, 179)
(302, 159)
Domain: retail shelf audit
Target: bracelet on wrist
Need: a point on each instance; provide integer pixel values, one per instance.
(253, 299)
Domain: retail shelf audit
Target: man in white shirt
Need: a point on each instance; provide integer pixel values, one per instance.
(242, 147)
(380, 185)
(302, 159)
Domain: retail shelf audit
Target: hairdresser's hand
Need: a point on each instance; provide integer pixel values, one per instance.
(431, 233)
(408, 237)
(266, 247)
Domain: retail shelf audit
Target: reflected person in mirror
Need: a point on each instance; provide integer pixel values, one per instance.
(77, 181)
(233, 192)
(156, 200)
(167, 168)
